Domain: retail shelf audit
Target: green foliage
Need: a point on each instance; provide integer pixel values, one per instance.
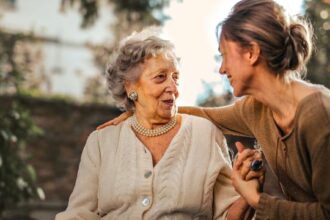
(141, 11)
(87, 8)
(17, 177)
(37, 93)
(19, 56)
(145, 11)
(318, 11)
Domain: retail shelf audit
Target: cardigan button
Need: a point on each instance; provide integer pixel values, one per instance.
(147, 174)
(145, 201)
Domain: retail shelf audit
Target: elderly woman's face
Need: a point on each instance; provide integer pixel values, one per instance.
(157, 88)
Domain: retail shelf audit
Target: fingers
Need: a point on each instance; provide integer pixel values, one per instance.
(244, 155)
(123, 117)
(239, 146)
(261, 180)
(236, 178)
(257, 155)
(260, 174)
(243, 162)
(245, 167)
(115, 121)
(105, 125)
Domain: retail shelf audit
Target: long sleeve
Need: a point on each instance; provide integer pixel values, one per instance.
(232, 119)
(224, 193)
(274, 208)
(83, 200)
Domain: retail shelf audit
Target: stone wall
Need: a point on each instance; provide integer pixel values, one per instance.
(56, 154)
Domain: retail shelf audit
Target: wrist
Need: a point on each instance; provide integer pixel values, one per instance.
(254, 201)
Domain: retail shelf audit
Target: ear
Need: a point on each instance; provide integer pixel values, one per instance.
(254, 53)
(129, 86)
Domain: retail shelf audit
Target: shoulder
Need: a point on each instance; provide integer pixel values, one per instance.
(322, 106)
(325, 100)
(250, 110)
(316, 107)
(203, 128)
(313, 117)
(248, 104)
(202, 124)
(206, 134)
(111, 131)
(107, 139)
(196, 119)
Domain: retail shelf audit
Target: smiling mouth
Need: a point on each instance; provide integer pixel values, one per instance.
(169, 102)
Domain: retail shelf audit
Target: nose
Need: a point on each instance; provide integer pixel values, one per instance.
(222, 69)
(172, 86)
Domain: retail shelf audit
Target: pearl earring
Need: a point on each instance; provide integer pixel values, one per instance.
(133, 96)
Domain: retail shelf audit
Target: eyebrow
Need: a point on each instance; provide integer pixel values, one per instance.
(158, 70)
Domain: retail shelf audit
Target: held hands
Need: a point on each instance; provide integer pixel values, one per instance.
(246, 181)
(116, 120)
(244, 160)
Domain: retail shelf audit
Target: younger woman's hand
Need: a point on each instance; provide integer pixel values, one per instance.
(116, 120)
(243, 161)
(248, 189)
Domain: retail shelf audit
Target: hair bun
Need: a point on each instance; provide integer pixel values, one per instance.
(298, 46)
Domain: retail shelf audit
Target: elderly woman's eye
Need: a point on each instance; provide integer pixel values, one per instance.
(160, 76)
(176, 78)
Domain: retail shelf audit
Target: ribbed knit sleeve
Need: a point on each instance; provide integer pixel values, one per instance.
(273, 208)
(224, 192)
(83, 200)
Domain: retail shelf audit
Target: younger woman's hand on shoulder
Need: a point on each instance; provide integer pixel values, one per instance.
(116, 120)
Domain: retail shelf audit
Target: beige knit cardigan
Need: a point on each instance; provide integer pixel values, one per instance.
(117, 180)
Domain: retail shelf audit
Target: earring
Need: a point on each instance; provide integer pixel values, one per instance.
(133, 96)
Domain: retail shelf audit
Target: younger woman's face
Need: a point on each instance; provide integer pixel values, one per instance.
(236, 66)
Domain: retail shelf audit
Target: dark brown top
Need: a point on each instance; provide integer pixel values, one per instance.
(300, 159)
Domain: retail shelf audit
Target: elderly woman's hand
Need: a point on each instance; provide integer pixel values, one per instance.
(247, 182)
(248, 189)
(116, 120)
(244, 159)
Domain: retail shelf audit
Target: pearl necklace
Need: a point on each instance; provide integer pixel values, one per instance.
(152, 132)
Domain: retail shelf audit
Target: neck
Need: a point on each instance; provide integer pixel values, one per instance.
(280, 96)
(157, 131)
(151, 121)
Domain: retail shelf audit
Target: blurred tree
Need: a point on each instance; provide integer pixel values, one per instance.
(318, 68)
(95, 90)
(21, 63)
(17, 177)
(145, 12)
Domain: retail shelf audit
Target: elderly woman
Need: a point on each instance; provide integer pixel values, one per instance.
(158, 164)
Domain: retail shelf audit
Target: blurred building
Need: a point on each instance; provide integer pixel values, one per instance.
(67, 50)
